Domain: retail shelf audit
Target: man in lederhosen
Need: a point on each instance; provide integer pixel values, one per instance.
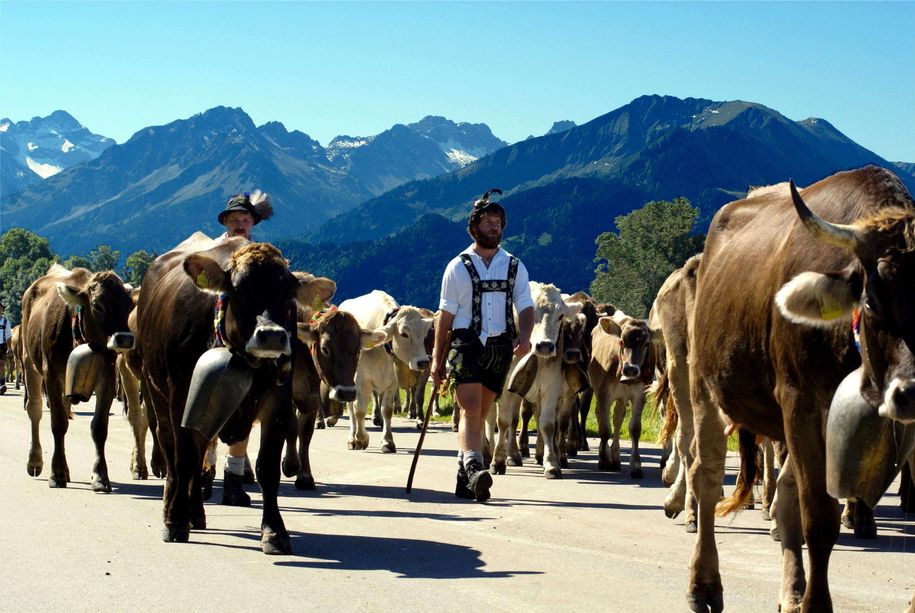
(479, 288)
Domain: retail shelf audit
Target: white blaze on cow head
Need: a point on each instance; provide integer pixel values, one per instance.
(872, 295)
(104, 304)
(407, 330)
(549, 312)
(635, 337)
(259, 294)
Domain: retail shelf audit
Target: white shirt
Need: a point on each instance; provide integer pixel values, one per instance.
(457, 292)
(6, 331)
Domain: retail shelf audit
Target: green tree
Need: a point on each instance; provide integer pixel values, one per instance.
(103, 257)
(135, 266)
(77, 261)
(652, 242)
(24, 256)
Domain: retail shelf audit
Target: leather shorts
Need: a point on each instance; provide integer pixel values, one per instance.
(473, 362)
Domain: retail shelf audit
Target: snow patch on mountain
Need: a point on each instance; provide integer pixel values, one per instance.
(42, 170)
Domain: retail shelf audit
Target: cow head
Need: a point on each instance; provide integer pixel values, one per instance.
(875, 290)
(574, 350)
(337, 340)
(103, 302)
(635, 351)
(549, 312)
(407, 331)
(259, 296)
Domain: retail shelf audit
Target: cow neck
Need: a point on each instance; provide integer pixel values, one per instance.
(313, 345)
(76, 325)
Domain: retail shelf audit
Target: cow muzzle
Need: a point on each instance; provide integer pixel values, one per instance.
(899, 401)
(630, 372)
(121, 341)
(545, 349)
(572, 356)
(343, 393)
(268, 341)
(419, 363)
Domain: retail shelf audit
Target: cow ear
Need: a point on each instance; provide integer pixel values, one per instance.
(314, 292)
(429, 321)
(306, 333)
(71, 294)
(609, 326)
(373, 338)
(583, 319)
(572, 309)
(206, 273)
(817, 299)
(657, 335)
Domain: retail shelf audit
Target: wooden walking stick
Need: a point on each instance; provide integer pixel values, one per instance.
(422, 435)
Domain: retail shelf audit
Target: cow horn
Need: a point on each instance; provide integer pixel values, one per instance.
(838, 235)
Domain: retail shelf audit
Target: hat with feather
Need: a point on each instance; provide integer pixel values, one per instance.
(257, 203)
(487, 203)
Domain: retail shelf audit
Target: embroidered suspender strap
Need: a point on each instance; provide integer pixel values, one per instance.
(76, 325)
(479, 286)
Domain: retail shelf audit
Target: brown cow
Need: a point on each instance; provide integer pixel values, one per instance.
(773, 365)
(624, 354)
(257, 316)
(59, 310)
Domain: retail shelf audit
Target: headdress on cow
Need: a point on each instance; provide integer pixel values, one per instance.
(258, 204)
(485, 204)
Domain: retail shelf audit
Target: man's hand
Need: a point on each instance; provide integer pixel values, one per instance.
(437, 373)
(522, 347)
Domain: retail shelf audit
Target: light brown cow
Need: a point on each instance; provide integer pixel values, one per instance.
(59, 310)
(750, 364)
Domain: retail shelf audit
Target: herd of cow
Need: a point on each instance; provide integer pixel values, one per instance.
(755, 335)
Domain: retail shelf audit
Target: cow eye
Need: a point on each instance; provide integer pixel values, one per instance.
(405, 335)
(325, 350)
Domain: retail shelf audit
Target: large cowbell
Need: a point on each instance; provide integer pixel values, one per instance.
(220, 382)
(84, 368)
(864, 451)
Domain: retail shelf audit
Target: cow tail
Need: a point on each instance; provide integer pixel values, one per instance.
(743, 492)
(663, 397)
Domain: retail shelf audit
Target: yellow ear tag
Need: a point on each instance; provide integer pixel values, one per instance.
(202, 280)
(317, 304)
(831, 310)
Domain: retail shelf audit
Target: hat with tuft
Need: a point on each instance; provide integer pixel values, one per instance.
(257, 204)
(486, 204)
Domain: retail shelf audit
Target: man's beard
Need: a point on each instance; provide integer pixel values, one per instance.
(488, 242)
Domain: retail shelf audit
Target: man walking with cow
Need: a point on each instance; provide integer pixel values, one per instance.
(479, 288)
(6, 332)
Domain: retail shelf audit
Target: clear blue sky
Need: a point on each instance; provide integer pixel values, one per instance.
(358, 68)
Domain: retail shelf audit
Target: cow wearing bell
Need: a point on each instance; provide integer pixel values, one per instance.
(178, 320)
(771, 338)
(61, 311)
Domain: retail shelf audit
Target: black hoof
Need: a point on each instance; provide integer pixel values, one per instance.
(377, 421)
(176, 535)
(140, 474)
(55, 482)
(319, 425)
(701, 603)
(572, 452)
(691, 527)
(206, 484)
(525, 452)
(498, 468)
(552, 473)
(419, 425)
(636, 473)
(865, 530)
(305, 483)
(671, 514)
(274, 544)
(101, 486)
(616, 466)
(584, 446)
(33, 471)
(388, 448)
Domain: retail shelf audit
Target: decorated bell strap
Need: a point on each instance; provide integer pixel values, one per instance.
(76, 325)
(389, 346)
(856, 328)
(219, 320)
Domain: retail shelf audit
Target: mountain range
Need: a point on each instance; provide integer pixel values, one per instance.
(390, 210)
(167, 180)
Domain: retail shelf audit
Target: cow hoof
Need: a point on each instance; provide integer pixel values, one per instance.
(101, 486)
(34, 469)
(775, 534)
(704, 603)
(636, 473)
(572, 452)
(206, 483)
(319, 425)
(615, 466)
(274, 544)
(515, 460)
(553, 473)
(419, 425)
(305, 483)
(749, 506)
(55, 482)
(388, 447)
(525, 452)
(564, 463)
(584, 446)
(498, 468)
(672, 513)
(140, 474)
(766, 516)
(691, 527)
(848, 521)
(331, 421)
(377, 421)
(865, 530)
(291, 466)
(176, 535)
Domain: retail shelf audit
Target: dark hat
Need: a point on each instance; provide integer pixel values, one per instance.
(239, 202)
(485, 204)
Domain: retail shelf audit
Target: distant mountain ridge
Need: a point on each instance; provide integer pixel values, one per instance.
(175, 178)
(44, 146)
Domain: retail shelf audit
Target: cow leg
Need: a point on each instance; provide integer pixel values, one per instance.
(274, 537)
(305, 479)
(635, 433)
(602, 411)
(788, 520)
(619, 415)
(546, 431)
(768, 486)
(60, 423)
(34, 409)
(860, 518)
(706, 476)
(671, 467)
(419, 400)
(907, 487)
(104, 396)
(359, 438)
(527, 411)
(157, 460)
(584, 407)
(686, 433)
(377, 418)
(387, 414)
(139, 424)
(506, 445)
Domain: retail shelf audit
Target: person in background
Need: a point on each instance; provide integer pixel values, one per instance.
(6, 332)
(479, 288)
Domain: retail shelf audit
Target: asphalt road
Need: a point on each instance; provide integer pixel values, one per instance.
(592, 541)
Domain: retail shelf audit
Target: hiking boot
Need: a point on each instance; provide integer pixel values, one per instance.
(2, 389)
(479, 480)
(233, 493)
(462, 489)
